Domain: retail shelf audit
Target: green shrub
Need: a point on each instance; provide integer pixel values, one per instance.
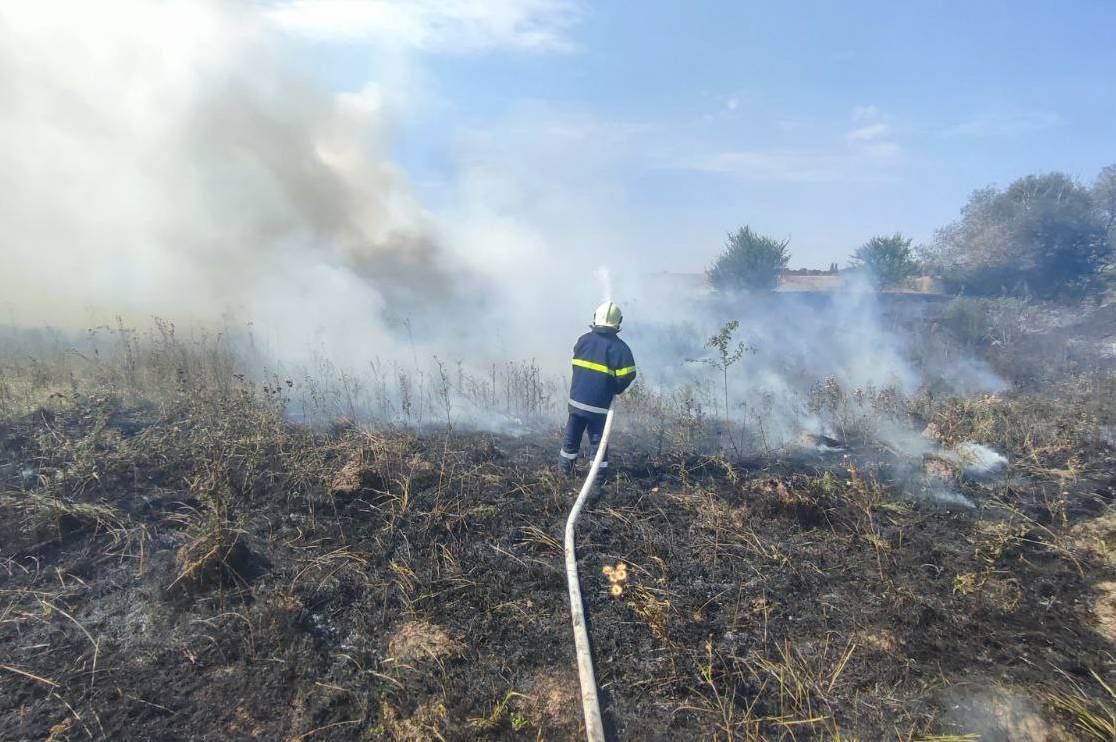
(888, 260)
(750, 262)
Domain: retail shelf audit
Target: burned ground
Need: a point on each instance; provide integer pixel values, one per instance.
(204, 569)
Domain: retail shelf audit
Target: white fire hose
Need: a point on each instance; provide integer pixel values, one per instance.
(594, 729)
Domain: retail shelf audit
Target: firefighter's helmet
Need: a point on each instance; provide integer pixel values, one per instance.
(608, 315)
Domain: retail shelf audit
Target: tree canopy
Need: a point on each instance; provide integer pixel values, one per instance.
(889, 260)
(1104, 196)
(750, 262)
(1043, 235)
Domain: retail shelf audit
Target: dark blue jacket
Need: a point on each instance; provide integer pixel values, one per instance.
(603, 367)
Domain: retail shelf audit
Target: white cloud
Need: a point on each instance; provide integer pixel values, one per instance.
(872, 141)
(457, 26)
(1004, 124)
(770, 164)
(869, 133)
(862, 114)
(801, 165)
(866, 153)
(870, 126)
(882, 152)
(728, 104)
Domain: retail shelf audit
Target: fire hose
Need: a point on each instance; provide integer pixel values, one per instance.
(594, 729)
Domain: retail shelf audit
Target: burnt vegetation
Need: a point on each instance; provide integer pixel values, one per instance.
(178, 558)
(192, 547)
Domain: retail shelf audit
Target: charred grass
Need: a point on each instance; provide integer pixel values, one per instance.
(202, 568)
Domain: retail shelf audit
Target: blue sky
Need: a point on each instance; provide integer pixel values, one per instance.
(649, 129)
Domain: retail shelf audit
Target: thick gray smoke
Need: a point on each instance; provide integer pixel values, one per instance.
(163, 157)
(160, 158)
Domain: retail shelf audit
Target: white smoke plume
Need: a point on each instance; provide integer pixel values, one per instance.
(161, 158)
(604, 277)
(164, 157)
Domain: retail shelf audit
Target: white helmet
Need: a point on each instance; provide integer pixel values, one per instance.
(608, 315)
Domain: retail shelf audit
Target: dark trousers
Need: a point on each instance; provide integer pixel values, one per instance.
(577, 426)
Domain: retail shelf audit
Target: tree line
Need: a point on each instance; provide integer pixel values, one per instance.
(1044, 236)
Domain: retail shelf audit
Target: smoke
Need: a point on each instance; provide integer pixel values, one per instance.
(161, 158)
(165, 158)
(977, 460)
(604, 277)
(828, 363)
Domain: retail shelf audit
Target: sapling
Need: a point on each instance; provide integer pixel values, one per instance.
(727, 354)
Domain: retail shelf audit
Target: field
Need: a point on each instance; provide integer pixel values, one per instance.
(178, 558)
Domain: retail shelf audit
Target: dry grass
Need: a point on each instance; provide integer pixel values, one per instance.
(798, 694)
(503, 711)
(418, 640)
(715, 700)
(378, 534)
(549, 544)
(806, 686)
(45, 513)
(1091, 717)
(653, 610)
(213, 549)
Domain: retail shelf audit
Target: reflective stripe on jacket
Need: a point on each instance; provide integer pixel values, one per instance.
(603, 367)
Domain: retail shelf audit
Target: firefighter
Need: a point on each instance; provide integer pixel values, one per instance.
(603, 367)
